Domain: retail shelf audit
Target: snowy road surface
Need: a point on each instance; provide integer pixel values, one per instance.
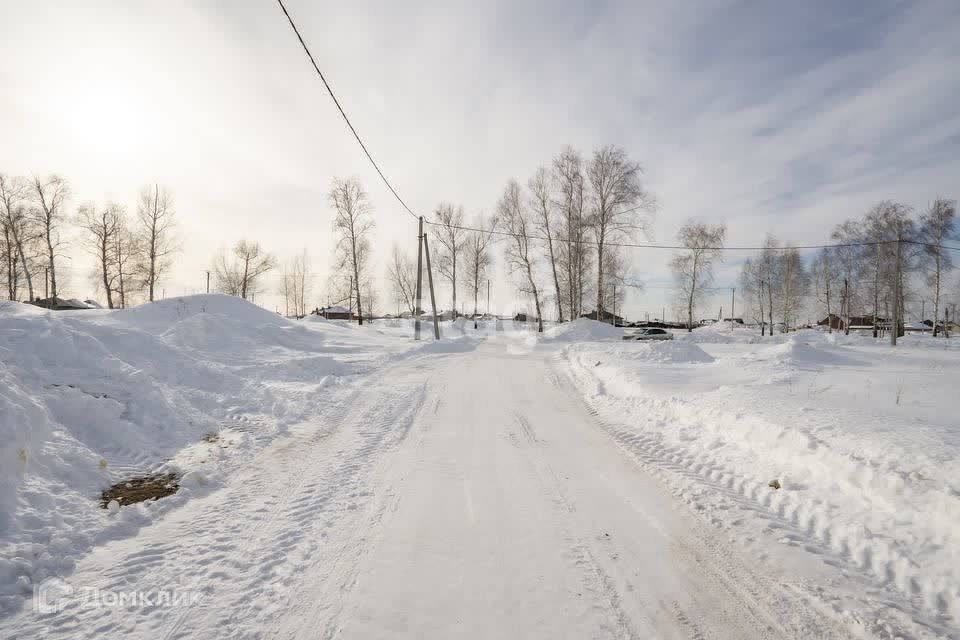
(462, 495)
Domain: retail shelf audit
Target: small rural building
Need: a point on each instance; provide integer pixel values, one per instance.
(837, 323)
(336, 312)
(604, 316)
(56, 303)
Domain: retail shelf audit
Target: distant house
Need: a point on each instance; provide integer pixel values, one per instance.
(56, 303)
(524, 317)
(336, 312)
(857, 323)
(604, 316)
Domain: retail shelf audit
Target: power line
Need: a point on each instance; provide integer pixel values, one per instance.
(677, 247)
(396, 195)
(342, 112)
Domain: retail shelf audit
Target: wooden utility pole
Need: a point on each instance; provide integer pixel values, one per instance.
(488, 296)
(895, 321)
(433, 299)
(733, 291)
(613, 316)
(846, 307)
(417, 311)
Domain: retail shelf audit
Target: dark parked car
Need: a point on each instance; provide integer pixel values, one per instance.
(648, 334)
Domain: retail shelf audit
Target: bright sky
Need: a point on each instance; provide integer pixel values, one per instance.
(782, 117)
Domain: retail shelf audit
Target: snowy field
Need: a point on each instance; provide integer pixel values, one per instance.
(863, 439)
(338, 480)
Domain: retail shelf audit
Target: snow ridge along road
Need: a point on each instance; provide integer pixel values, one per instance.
(457, 495)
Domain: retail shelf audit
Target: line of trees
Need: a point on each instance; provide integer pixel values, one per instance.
(879, 267)
(566, 223)
(133, 254)
(461, 256)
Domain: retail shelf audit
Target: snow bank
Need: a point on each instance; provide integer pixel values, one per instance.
(582, 330)
(91, 397)
(798, 352)
(862, 438)
(670, 351)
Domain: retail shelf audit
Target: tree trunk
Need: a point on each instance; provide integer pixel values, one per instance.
(556, 278)
(936, 295)
(50, 260)
(356, 279)
(104, 264)
(763, 320)
(876, 290)
(476, 291)
(536, 298)
(599, 279)
(243, 281)
(151, 274)
(26, 271)
(770, 306)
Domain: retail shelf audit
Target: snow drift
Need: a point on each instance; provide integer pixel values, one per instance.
(668, 352)
(91, 397)
(581, 330)
(860, 436)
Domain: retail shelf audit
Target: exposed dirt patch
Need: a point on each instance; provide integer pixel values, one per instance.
(141, 488)
(211, 437)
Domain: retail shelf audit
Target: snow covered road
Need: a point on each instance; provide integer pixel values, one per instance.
(469, 495)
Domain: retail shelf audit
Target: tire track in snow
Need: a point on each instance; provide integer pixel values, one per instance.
(245, 546)
(578, 549)
(325, 599)
(689, 475)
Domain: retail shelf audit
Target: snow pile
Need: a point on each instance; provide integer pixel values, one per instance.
(802, 353)
(582, 330)
(668, 351)
(88, 398)
(861, 437)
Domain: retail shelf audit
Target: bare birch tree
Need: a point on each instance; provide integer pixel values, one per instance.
(848, 261)
(541, 202)
(18, 234)
(124, 253)
(8, 257)
(793, 283)
(50, 195)
(768, 270)
(240, 274)
(295, 284)
(402, 273)
(574, 254)
(155, 239)
(937, 227)
(479, 257)
(618, 200)
(827, 284)
(693, 269)
(751, 284)
(452, 239)
(882, 225)
(102, 224)
(352, 223)
(516, 221)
